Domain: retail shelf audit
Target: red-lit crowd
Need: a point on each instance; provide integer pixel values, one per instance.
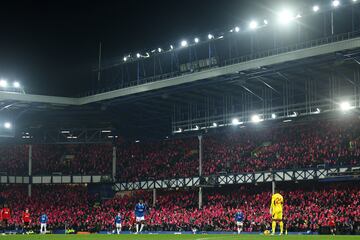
(291, 145)
(307, 208)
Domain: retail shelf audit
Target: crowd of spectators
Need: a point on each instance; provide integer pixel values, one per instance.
(289, 146)
(307, 208)
(232, 150)
(305, 145)
(72, 159)
(82, 159)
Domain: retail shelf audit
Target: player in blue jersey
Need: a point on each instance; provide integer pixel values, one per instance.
(239, 219)
(43, 223)
(140, 215)
(118, 221)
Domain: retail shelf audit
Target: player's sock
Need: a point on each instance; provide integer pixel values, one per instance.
(273, 226)
(141, 228)
(281, 227)
(137, 227)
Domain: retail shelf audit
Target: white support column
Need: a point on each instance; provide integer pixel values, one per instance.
(200, 168)
(154, 197)
(200, 155)
(114, 164)
(30, 169)
(200, 198)
(273, 184)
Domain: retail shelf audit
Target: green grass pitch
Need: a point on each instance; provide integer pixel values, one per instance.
(176, 237)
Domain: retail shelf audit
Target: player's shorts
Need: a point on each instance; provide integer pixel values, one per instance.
(239, 224)
(118, 225)
(277, 216)
(139, 219)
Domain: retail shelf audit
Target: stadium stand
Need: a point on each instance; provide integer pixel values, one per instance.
(299, 145)
(305, 145)
(308, 208)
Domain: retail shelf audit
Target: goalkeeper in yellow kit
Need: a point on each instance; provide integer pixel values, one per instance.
(276, 210)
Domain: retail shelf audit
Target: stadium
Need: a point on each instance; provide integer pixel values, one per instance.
(243, 129)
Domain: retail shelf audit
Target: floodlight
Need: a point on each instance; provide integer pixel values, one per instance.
(285, 16)
(171, 47)
(215, 124)
(16, 84)
(256, 118)
(184, 43)
(318, 111)
(125, 59)
(159, 50)
(266, 22)
(210, 36)
(236, 121)
(345, 106)
(137, 141)
(138, 55)
(7, 125)
(316, 8)
(335, 3)
(253, 25)
(3, 83)
(354, 0)
(273, 116)
(196, 40)
(237, 29)
(197, 127)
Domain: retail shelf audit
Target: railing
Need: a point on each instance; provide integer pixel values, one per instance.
(48, 179)
(227, 62)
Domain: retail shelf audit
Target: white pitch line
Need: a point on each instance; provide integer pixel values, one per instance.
(210, 238)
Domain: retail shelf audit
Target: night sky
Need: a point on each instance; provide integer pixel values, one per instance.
(50, 46)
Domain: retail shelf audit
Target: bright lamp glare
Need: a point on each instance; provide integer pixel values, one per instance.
(16, 84)
(215, 124)
(7, 125)
(345, 106)
(255, 119)
(285, 17)
(237, 29)
(125, 59)
(266, 22)
(273, 116)
(184, 43)
(138, 55)
(210, 36)
(253, 25)
(335, 3)
(159, 50)
(236, 121)
(316, 8)
(3, 83)
(196, 40)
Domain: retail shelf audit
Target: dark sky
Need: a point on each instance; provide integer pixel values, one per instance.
(50, 46)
